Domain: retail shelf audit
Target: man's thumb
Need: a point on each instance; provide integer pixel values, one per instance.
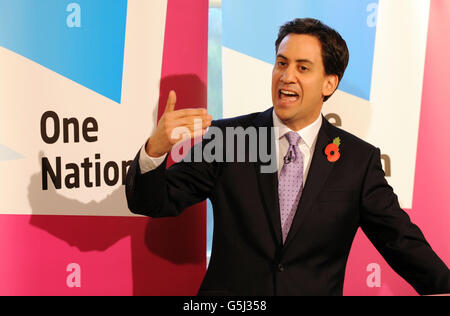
(171, 100)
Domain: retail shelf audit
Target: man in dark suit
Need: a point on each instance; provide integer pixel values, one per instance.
(286, 232)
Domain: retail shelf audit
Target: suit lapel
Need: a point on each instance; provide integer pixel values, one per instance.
(318, 173)
(268, 182)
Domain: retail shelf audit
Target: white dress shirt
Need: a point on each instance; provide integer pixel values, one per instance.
(307, 145)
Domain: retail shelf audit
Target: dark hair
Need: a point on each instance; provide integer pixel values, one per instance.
(335, 53)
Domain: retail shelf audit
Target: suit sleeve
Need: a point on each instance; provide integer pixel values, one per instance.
(397, 239)
(167, 192)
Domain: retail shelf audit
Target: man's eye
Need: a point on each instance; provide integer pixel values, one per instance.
(303, 68)
(281, 63)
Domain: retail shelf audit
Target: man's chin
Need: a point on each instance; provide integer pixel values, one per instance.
(284, 113)
(293, 118)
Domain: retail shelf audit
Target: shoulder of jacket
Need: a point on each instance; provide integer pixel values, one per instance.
(351, 140)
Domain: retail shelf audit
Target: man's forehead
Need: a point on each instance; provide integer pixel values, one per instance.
(300, 47)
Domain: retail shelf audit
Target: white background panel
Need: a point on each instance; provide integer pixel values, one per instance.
(28, 90)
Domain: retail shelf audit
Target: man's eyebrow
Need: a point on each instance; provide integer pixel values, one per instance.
(298, 60)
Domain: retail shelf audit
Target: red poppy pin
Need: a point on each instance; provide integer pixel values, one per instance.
(332, 150)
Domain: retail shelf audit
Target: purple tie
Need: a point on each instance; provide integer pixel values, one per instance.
(290, 184)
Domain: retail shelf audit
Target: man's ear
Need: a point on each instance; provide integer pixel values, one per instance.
(330, 84)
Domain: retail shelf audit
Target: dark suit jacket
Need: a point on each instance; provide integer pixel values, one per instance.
(248, 256)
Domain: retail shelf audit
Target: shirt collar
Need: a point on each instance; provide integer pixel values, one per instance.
(308, 133)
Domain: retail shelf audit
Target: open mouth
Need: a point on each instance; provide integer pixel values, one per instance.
(287, 96)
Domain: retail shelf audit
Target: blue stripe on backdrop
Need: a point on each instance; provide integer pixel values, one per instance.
(251, 27)
(215, 63)
(214, 91)
(82, 40)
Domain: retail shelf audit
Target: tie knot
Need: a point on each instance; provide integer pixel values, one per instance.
(293, 138)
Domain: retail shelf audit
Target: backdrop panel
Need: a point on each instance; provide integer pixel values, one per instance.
(81, 85)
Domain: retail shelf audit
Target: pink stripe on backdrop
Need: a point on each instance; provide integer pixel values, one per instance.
(431, 200)
(117, 255)
(121, 255)
(36, 251)
(185, 64)
(185, 70)
(431, 204)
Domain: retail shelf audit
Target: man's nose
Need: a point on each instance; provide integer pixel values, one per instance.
(288, 75)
